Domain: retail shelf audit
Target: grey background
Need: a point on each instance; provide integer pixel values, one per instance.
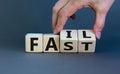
(18, 17)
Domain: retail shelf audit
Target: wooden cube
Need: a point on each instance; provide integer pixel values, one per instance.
(51, 43)
(34, 42)
(87, 41)
(68, 41)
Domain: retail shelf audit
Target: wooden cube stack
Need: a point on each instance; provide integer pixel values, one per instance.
(67, 41)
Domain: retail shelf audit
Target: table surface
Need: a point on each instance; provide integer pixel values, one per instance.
(14, 60)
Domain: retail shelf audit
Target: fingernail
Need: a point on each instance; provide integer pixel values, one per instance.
(98, 35)
(55, 31)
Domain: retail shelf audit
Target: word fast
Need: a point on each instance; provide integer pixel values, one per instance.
(67, 41)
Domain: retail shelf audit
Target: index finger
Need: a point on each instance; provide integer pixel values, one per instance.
(56, 9)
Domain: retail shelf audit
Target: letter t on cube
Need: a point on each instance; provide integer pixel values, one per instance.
(87, 41)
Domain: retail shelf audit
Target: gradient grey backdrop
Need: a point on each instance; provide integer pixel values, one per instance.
(18, 17)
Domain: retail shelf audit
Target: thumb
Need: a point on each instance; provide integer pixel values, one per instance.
(99, 24)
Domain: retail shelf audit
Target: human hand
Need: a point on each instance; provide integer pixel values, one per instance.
(66, 8)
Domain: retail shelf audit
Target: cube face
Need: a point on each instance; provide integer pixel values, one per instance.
(34, 42)
(87, 41)
(68, 41)
(51, 43)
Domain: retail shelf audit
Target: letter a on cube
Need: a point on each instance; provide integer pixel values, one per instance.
(68, 41)
(34, 42)
(87, 41)
(51, 43)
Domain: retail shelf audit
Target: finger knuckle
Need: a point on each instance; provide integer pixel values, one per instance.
(55, 9)
(62, 13)
(100, 26)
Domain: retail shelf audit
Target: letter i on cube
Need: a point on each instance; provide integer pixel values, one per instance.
(68, 41)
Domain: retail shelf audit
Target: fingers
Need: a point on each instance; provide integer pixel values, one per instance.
(101, 8)
(60, 23)
(69, 9)
(99, 24)
(56, 9)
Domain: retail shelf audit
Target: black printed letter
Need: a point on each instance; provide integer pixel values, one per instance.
(86, 45)
(84, 35)
(68, 34)
(33, 44)
(51, 40)
(68, 45)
